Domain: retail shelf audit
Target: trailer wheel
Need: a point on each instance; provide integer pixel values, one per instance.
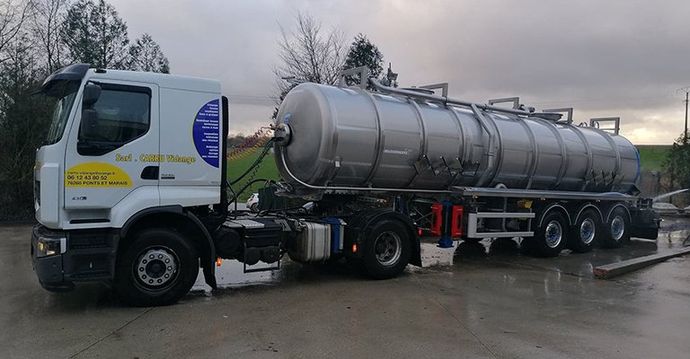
(617, 229)
(387, 250)
(157, 268)
(584, 234)
(549, 239)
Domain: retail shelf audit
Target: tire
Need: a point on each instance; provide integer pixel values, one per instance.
(550, 239)
(164, 277)
(585, 233)
(387, 250)
(617, 229)
(254, 207)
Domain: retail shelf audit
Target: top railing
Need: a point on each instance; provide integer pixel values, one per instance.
(364, 80)
(613, 122)
(426, 93)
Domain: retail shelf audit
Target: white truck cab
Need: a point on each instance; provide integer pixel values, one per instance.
(121, 144)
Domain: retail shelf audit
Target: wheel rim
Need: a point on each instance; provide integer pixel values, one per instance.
(156, 268)
(388, 248)
(553, 234)
(617, 228)
(587, 231)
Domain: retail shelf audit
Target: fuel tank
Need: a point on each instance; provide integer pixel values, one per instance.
(350, 137)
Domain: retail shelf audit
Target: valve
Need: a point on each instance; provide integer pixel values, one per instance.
(281, 134)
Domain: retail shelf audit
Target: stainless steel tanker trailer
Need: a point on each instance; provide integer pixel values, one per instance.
(367, 175)
(458, 170)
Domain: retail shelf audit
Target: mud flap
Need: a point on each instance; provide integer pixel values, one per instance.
(645, 224)
(645, 232)
(209, 268)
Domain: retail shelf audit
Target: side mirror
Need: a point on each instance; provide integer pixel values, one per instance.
(88, 127)
(91, 94)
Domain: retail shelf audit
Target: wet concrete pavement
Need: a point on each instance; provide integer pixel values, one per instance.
(497, 305)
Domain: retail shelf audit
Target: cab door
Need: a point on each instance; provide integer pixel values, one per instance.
(113, 152)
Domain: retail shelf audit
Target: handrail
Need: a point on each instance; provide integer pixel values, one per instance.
(566, 110)
(447, 100)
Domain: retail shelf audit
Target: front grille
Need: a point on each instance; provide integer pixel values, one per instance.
(90, 238)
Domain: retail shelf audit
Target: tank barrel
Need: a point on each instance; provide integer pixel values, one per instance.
(390, 139)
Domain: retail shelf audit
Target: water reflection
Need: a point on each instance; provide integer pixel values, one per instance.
(490, 251)
(506, 252)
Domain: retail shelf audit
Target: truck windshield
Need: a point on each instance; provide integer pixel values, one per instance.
(65, 94)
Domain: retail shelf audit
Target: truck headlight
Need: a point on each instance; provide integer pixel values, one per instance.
(47, 246)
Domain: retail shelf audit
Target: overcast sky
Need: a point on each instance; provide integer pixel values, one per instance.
(604, 58)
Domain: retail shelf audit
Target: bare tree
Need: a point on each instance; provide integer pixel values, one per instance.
(12, 16)
(309, 54)
(48, 17)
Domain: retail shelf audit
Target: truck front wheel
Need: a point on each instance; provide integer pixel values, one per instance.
(386, 250)
(157, 268)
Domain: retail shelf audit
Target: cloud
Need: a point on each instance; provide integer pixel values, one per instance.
(622, 58)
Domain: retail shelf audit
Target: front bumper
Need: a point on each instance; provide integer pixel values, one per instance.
(48, 268)
(84, 255)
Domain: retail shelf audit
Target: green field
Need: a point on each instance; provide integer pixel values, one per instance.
(267, 170)
(652, 157)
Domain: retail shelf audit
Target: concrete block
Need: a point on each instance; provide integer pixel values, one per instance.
(615, 269)
(433, 255)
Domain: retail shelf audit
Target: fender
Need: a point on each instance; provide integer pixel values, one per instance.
(549, 208)
(586, 206)
(610, 211)
(208, 266)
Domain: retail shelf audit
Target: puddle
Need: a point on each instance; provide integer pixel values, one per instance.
(673, 232)
(506, 252)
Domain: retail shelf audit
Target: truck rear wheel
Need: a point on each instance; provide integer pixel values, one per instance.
(617, 229)
(584, 234)
(387, 250)
(157, 268)
(549, 239)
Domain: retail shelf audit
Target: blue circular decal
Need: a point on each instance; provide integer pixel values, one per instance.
(206, 132)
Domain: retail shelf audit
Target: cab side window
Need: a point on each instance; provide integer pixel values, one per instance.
(121, 115)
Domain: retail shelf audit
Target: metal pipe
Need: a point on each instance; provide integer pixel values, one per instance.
(342, 188)
(447, 100)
